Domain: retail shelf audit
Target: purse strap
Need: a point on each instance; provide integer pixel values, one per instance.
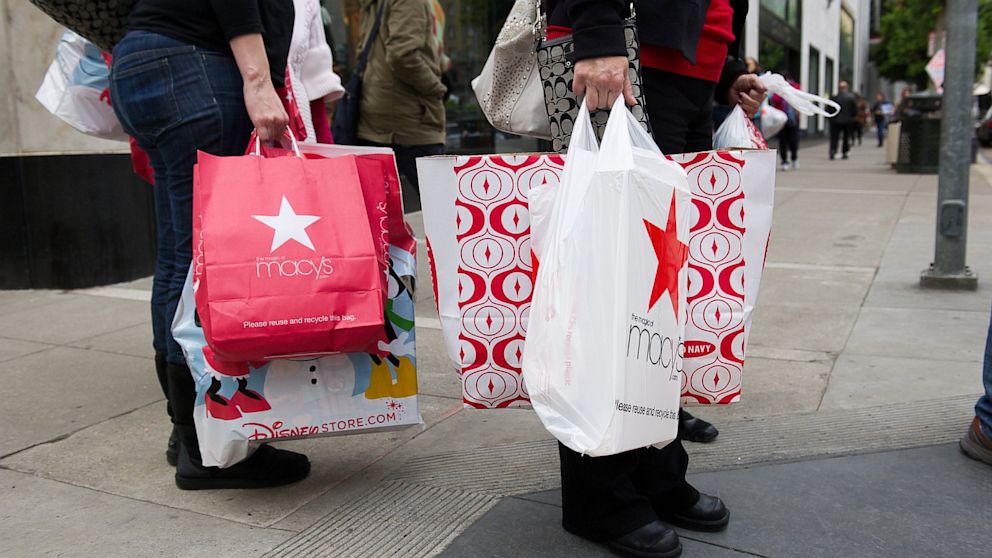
(363, 58)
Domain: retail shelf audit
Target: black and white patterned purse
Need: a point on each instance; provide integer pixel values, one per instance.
(556, 66)
(102, 22)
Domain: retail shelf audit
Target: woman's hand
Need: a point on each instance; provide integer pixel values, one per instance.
(602, 80)
(265, 109)
(747, 91)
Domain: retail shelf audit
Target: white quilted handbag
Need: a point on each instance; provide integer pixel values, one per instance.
(509, 89)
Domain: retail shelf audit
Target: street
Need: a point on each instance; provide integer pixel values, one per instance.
(857, 386)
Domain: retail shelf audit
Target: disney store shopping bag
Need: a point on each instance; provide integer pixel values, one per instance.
(242, 403)
(290, 265)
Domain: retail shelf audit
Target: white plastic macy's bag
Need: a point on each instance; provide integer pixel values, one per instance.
(738, 132)
(602, 355)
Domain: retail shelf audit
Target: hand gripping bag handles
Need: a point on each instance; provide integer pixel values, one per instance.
(525, 86)
(602, 354)
(289, 262)
(738, 132)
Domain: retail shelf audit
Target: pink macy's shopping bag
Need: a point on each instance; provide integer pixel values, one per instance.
(478, 219)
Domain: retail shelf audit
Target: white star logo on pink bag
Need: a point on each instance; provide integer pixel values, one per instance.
(288, 226)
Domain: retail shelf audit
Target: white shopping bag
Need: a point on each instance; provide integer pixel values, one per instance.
(772, 120)
(738, 132)
(602, 356)
(77, 89)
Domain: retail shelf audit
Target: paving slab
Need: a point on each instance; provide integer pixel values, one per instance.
(820, 285)
(134, 341)
(833, 229)
(71, 318)
(125, 456)
(16, 301)
(866, 381)
(46, 518)
(524, 528)
(464, 430)
(64, 389)
(13, 348)
(808, 326)
(920, 333)
(774, 387)
(872, 505)
(922, 502)
(812, 179)
(435, 373)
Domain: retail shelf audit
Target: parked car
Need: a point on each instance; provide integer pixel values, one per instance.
(984, 129)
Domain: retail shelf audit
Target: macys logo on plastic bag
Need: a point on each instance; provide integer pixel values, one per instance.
(287, 226)
(644, 340)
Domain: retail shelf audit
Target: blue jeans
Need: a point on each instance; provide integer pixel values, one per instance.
(983, 409)
(175, 99)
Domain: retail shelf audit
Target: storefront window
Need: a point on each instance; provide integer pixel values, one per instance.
(828, 70)
(786, 10)
(813, 85)
(847, 47)
(470, 29)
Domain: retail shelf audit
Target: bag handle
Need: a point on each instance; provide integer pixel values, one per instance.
(797, 98)
(258, 143)
(363, 58)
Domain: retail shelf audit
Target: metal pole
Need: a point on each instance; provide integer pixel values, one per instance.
(948, 270)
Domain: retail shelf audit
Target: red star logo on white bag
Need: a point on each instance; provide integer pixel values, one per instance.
(672, 255)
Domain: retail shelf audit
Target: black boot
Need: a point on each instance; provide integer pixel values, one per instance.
(696, 429)
(172, 449)
(266, 467)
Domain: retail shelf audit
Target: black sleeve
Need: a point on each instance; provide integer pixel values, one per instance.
(597, 27)
(237, 17)
(734, 67)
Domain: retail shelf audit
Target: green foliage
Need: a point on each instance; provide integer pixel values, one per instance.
(983, 48)
(905, 29)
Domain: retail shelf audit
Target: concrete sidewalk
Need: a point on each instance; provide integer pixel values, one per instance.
(850, 366)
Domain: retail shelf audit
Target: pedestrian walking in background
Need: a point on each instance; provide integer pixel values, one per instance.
(881, 110)
(402, 103)
(198, 76)
(977, 443)
(689, 58)
(842, 122)
(788, 137)
(901, 107)
(861, 117)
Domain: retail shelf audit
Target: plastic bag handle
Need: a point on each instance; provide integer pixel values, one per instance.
(798, 99)
(258, 143)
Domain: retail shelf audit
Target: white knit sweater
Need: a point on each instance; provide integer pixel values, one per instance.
(311, 63)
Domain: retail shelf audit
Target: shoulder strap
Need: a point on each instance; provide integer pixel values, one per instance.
(363, 58)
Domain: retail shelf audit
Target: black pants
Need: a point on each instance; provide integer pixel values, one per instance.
(840, 130)
(406, 163)
(788, 142)
(607, 497)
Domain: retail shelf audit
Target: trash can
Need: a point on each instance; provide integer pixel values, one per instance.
(919, 137)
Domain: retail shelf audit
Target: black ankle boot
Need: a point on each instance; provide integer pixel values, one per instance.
(265, 468)
(161, 370)
(696, 429)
